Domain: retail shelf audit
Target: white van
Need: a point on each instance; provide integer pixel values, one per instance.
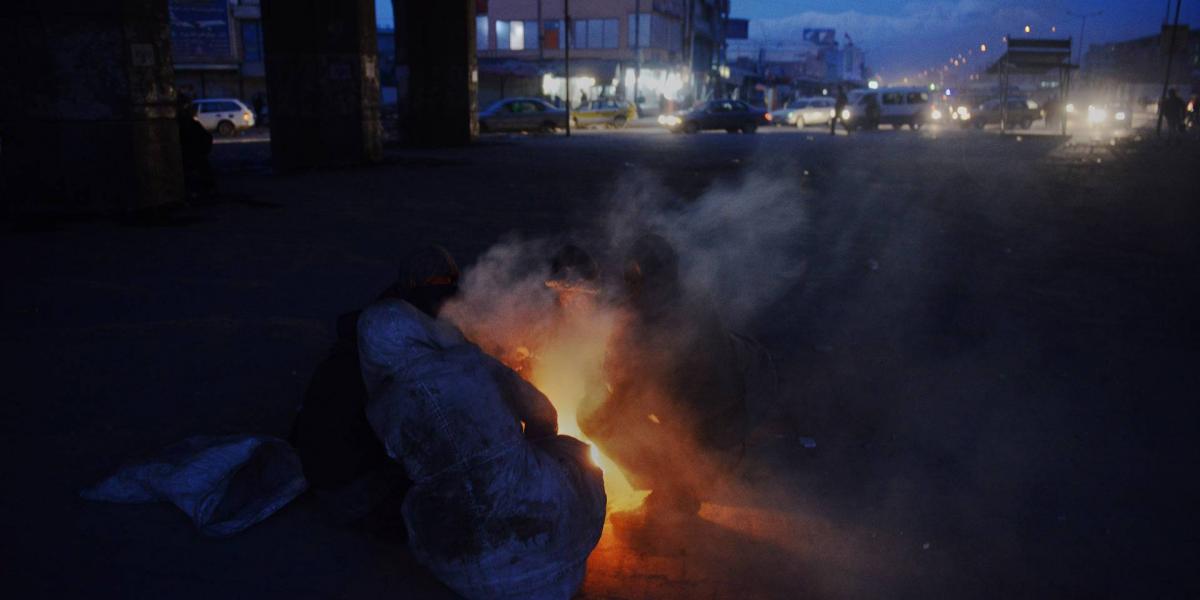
(226, 116)
(898, 106)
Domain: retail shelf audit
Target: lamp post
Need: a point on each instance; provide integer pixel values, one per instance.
(567, 59)
(1170, 62)
(637, 49)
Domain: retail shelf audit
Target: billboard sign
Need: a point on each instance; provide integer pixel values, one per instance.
(737, 29)
(200, 32)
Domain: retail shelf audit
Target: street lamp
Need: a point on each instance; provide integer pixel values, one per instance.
(983, 47)
(1026, 29)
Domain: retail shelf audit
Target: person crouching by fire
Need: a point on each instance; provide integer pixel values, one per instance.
(675, 417)
(501, 506)
(344, 462)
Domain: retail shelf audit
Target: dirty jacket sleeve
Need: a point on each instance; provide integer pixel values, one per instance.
(530, 405)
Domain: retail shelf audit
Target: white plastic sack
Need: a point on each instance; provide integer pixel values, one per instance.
(497, 511)
(224, 483)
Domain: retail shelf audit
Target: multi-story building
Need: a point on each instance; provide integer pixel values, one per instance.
(772, 71)
(654, 49)
(218, 48)
(1133, 70)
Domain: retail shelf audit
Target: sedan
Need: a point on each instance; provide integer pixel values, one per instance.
(805, 111)
(731, 115)
(522, 114)
(609, 113)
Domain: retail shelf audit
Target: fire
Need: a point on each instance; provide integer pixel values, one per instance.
(569, 369)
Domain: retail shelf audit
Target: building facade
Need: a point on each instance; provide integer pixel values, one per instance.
(656, 50)
(1133, 70)
(771, 72)
(217, 47)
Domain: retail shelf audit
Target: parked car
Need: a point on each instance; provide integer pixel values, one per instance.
(805, 111)
(226, 116)
(731, 115)
(610, 113)
(1021, 113)
(522, 114)
(898, 106)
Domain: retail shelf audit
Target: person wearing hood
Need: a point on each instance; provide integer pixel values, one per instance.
(501, 506)
(344, 462)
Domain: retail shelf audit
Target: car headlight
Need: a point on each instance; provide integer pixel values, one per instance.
(832, 113)
(845, 114)
(1120, 116)
(936, 114)
(1070, 108)
(669, 120)
(1096, 115)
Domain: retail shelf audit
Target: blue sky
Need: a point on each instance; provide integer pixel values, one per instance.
(904, 36)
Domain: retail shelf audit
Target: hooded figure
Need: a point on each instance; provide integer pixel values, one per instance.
(344, 462)
(675, 417)
(501, 506)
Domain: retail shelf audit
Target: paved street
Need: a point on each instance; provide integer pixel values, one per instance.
(991, 339)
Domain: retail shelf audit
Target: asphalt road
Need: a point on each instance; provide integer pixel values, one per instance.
(991, 339)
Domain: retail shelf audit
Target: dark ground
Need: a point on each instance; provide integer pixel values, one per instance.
(994, 345)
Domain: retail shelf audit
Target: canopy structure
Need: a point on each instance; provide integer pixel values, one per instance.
(1033, 57)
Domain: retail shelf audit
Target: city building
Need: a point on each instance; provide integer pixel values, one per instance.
(771, 71)
(218, 48)
(1133, 70)
(655, 49)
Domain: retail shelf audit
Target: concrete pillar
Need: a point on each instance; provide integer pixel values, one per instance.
(322, 82)
(437, 40)
(87, 117)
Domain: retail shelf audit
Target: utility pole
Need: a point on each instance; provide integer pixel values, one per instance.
(1082, 25)
(637, 49)
(567, 59)
(1170, 60)
(691, 42)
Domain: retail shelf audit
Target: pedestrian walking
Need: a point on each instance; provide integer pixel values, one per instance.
(839, 106)
(1174, 111)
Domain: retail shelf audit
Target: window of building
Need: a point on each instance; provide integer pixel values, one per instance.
(481, 32)
(531, 35)
(553, 34)
(516, 39)
(252, 45)
(516, 35)
(503, 35)
(596, 33)
(579, 33)
(639, 31)
(612, 33)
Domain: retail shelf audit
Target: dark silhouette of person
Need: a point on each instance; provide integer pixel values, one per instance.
(839, 105)
(195, 147)
(258, 102)
(675, 416)
(343, 459)
(871, 111)
(1174, 111)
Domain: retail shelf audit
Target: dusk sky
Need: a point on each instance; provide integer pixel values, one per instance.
(902, 37)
